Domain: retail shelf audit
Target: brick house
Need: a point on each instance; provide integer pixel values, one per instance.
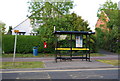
(104, 17)
(102, 21)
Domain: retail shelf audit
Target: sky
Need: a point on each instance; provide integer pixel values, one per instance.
(13, 12)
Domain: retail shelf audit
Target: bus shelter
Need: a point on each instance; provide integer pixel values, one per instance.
(72, 45)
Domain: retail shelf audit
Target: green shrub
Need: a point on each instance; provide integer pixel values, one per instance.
(108, 40)
(8, 43)
(24, 45)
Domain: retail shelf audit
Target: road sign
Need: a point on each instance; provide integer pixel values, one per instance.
(16, 31)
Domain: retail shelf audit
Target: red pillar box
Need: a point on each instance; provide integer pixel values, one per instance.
(45, 44)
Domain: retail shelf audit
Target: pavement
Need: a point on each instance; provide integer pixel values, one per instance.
(102, 51)
(74, 64)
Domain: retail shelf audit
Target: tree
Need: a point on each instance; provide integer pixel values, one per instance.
(109, 39)
(109, 5)
(111, 9)
(43, 12)
(2, 27)
(47, 15)
(10, 30)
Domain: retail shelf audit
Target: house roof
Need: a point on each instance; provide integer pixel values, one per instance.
(20, 23)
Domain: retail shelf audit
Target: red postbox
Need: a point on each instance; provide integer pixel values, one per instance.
(45, 44)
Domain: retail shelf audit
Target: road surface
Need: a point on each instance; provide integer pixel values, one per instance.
(99, 73)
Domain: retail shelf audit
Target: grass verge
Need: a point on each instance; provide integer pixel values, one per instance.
(46, 55)
(96, 54)
(112, 62)
(26, 55)
(18, 65)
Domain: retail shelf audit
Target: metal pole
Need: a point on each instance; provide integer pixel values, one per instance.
(86, 47)
(89, 48)
(15, 47)
(55, 48)
(71, 48)
(81, 38)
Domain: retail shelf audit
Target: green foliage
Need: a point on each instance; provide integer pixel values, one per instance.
(24, 45)
(2, 27)
(109, 5)
(93, 44)
(49, 14)
(99, 37)
(8, 43)
(10, 30)
(47, 11)
(109, 40)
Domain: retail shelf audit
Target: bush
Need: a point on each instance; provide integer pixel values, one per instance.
(24, 45)
(108, 40)
(8, 43)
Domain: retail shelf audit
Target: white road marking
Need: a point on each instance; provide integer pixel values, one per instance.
(60, 70)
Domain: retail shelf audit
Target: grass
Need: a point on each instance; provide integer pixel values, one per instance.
(45, 55)
(112, 62)
(17, 65)
(96, 54)
(26, 55)
(17, 55)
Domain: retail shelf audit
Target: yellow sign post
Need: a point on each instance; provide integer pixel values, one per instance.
(16, 31)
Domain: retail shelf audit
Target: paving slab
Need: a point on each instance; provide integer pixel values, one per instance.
(76, 64)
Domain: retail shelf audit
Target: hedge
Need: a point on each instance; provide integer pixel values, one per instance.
(24, 45)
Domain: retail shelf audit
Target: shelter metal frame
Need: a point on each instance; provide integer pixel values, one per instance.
(71, 33)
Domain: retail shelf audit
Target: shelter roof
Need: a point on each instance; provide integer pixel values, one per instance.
(73, 32)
